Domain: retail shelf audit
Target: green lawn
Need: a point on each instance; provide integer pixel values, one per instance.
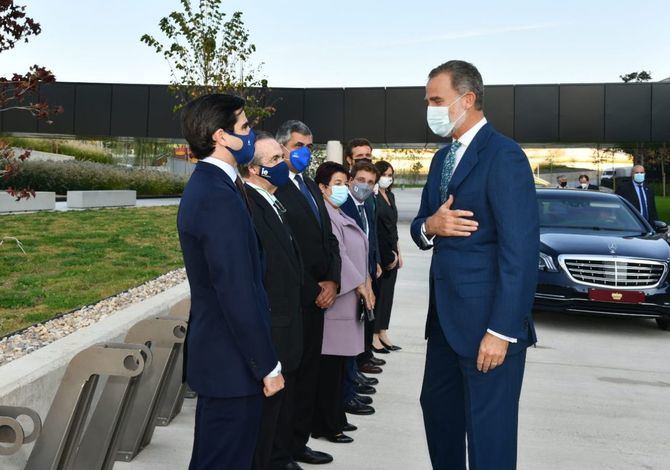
(77, 258)
(663, 208)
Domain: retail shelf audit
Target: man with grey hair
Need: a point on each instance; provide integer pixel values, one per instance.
(282, 280)
(482, 278)
(308, 218)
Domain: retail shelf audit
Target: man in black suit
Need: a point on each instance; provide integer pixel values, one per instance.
(585, 184)
(283, 281)
(309, 221)
(639, 194)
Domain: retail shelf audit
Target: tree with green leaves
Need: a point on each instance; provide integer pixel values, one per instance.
(209, 51)
(642, 76)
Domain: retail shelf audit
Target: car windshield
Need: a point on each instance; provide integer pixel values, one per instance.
(583, 213)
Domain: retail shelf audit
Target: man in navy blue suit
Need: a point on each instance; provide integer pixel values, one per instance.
(485, 240)
(229, 358)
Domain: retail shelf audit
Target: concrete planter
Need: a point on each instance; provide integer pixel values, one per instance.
(91, 199)
(43, 201)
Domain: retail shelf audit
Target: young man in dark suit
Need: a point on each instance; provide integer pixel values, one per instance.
(309, 221)
(639, 194)
(230, 360)
(283, 281)
(482, 278)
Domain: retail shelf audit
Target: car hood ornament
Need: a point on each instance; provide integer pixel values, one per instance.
(612, 248)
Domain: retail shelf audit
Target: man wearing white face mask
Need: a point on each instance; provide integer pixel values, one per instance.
(639, 194)
(482, 280)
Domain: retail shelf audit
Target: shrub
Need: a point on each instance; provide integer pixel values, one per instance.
(74, 175)
(79, 152)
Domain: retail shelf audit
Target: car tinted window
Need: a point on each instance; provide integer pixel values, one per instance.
(588, 214)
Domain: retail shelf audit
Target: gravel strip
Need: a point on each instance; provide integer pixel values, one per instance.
(37, 336)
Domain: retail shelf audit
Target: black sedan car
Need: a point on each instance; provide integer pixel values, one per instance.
(599, 256)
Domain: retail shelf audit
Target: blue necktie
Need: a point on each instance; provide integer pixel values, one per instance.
(310, 199)
(643, 201)
(448, 170)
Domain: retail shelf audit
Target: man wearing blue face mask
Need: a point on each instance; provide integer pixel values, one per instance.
(639, 194)
(229, 357)
(282, 279)
(308, 218)
(482, 278)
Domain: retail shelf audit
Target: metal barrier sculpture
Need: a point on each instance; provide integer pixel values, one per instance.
(57, 447)
(164, 336)
(175, 389)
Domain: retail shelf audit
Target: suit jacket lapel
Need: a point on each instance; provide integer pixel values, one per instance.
(470, 158)
(296, 194)
(277, 227)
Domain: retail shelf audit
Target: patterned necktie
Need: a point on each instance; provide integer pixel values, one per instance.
(310, 200)
(448, 170)
(364, 220)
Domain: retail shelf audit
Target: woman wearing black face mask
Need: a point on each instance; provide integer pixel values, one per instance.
(389, 252)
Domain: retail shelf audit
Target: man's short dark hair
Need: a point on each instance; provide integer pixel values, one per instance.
(206, 114)
(353, 143)
(326, 171)
(584, 176)
(464, 78)
(364, 166)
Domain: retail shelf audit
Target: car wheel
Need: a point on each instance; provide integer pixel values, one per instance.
(663, 323)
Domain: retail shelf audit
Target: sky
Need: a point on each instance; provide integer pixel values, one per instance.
(323, 43)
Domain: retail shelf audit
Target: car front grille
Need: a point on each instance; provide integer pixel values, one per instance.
(613, 272)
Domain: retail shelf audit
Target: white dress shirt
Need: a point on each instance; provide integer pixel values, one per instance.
(268, 196)
(359, 204)
(465, 140)
(231, 172)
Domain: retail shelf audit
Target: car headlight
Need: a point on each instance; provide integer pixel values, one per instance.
(546, 263)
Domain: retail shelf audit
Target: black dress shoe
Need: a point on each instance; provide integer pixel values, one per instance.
(292, 466)
(349, 427)
(381, 350)
(363, 399)
(337, 438)
(365, 380)
(391, 347)
(362, 389)
(313, 456)
(368, 368)
(377, 362)
(355, 407)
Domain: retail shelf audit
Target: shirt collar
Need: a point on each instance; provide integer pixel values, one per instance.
(355, 200)
(263, 192)
(292, 175)
(467, 138)
(226, 167)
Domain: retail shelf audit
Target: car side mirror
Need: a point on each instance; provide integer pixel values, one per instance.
(660, 226)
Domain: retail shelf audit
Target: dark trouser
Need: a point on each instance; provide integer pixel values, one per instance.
(273, 447)
(226, 432)
(385, 300)
(366, 355)
(307, 377)
(457, 400)
(329, 417)
(348, 387)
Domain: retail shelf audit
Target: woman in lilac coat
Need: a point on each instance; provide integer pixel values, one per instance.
(343, 331)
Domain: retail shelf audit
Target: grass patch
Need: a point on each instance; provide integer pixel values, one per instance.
(663, 208)
(77, 258)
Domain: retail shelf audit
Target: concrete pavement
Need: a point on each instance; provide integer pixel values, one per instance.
(596, 396)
